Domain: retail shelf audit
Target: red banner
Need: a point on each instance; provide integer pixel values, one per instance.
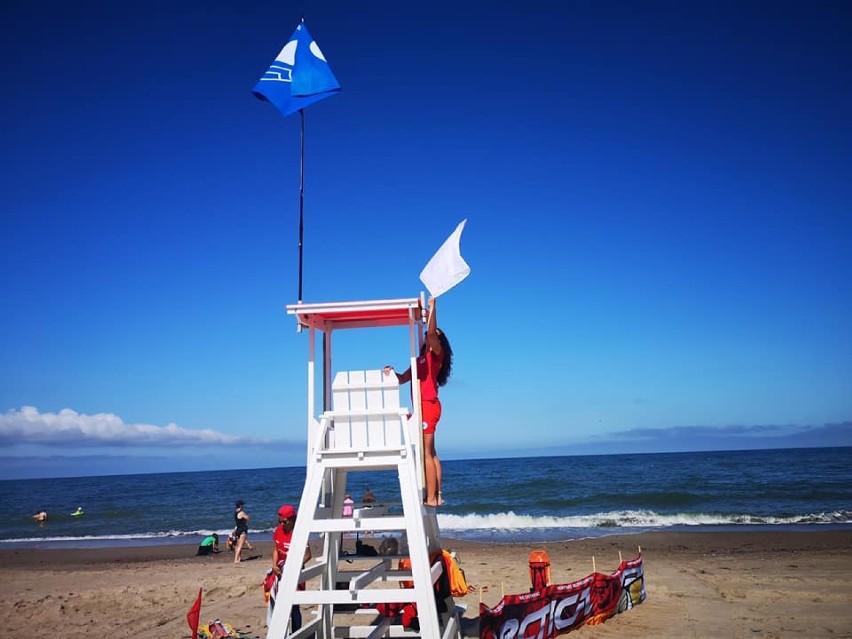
(564, 607)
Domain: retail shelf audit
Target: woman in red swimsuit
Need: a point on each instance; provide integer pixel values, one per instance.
(434, 366)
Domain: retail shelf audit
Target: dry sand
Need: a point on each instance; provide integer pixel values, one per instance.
(754, 584)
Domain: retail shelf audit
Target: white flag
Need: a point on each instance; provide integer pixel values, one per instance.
(446, 268)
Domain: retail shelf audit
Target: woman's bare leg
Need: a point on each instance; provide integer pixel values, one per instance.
(438, 476)
(430, 469)
(239, 547)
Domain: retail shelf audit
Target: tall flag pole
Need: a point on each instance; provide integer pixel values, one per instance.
(301, 194)
(298, 77)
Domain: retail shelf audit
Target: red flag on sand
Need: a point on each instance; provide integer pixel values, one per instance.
(193, 615)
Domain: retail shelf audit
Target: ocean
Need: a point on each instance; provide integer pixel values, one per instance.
(502, 500)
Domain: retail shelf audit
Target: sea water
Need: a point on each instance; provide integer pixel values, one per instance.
(505, 500)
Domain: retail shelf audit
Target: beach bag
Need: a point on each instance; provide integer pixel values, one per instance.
(457, 580)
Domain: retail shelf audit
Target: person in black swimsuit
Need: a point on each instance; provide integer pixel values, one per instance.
(241, 520)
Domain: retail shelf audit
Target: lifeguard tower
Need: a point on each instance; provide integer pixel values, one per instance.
(362, 427)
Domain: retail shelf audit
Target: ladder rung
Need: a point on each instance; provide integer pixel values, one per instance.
(339, 386)
(345, 557)
(369, 576)
(368, 596)
(360, 458)
(452, 628)
(381, 629)
(360, 632)
(365, 412)
(352, 525)
(391, 575)
(309, 629)
(313, 570)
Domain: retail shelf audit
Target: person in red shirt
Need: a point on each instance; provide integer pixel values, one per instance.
(280, 548)
(434, 366)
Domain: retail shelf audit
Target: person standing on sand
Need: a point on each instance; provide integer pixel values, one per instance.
(280, 550)
(433, 370)
(241, 520)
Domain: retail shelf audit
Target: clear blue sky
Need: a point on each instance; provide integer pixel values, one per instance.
(659, 199)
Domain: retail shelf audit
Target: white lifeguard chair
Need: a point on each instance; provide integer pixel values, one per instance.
(363, 427)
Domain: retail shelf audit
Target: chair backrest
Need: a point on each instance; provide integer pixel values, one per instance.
(366, 410)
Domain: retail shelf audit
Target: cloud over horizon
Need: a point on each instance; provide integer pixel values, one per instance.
(70, 428)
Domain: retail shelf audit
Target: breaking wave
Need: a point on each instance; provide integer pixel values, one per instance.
(644, 519)
(506, 527)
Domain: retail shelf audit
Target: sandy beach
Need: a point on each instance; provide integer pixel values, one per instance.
(752, 584)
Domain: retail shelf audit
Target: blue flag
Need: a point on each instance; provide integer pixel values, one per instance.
(299, 76)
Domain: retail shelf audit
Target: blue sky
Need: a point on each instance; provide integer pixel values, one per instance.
(659, 226)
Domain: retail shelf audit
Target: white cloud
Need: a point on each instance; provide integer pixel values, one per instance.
(70, 428)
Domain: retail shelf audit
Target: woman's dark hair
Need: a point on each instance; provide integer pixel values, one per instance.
(447, 362)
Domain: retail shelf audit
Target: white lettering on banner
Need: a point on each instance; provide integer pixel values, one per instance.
(540, 617)
(583, 602)
(550, 617)
(509, 630)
